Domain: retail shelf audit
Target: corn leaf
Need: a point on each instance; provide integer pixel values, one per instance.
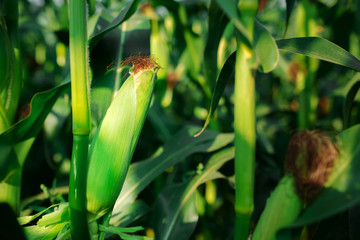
(175, 207)
(230, 9)
(217, 22)
(342, 190)
(130, 213)
(27, 219)
(265, 48)
(27, 129)
(227, 73)
(122, 232)
(180, 146)
(44, 233)
(124, 15)
(289, 8)
(175, 219)
(60, 215)
(320, 48)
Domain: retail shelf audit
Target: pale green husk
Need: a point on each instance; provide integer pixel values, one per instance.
(282, 208)
(115, 141)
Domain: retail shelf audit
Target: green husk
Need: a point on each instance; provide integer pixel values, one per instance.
(309, 162)
(282, 208)
(115, 141)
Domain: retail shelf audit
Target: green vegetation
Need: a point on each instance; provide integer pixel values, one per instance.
(102, 105)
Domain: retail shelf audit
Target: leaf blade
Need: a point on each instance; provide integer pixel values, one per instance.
(320, 48)
(179, 217)
(227, 72)
(124, 15)
(180, 146)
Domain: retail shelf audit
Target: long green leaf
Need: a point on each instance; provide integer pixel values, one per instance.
(180, 146)
(26, 129)
(217, 22)
(320, 48)
(227, 73)
(178, 216)
(124, 15)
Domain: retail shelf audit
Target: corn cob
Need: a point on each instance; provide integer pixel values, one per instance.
(309, 162)
(116, 138)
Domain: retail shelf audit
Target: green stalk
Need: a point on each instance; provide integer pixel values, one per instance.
(81, 118)
(77, 188)
(306, 26)
(244, 126)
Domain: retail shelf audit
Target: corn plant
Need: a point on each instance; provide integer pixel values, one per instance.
(119, 91)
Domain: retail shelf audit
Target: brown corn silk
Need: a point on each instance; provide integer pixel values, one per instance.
(310, 158)
(140, 63)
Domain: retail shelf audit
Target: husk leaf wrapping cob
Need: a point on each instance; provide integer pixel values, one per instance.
(116, 138)
(309, 162)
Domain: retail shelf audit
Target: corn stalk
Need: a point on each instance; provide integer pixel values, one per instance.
(81, 118)
(244, 124)
(306, 26)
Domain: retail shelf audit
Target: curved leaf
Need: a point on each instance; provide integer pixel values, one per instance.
(124, 15)
(26, 129)
(176, 204)
(265, 48)
(227, 72)
(180, 146)
(320, 48)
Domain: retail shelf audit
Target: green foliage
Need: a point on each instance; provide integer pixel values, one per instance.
(179, 199)
(321, 49)
(172, 184)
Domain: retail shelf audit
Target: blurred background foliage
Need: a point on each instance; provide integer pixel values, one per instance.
(176, 33)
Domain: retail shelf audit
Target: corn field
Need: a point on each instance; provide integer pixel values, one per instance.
(180, 119)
